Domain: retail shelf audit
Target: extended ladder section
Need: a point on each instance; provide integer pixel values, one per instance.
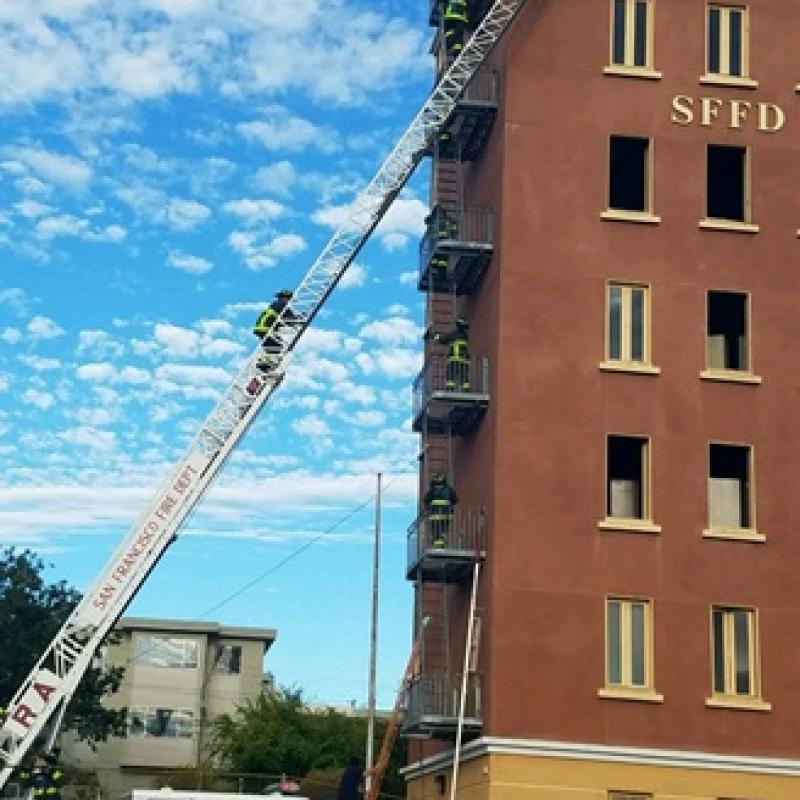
(56, 675)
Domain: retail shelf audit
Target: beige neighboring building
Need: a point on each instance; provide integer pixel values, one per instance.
(178, 677)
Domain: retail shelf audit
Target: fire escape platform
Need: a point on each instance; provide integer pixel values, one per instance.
(456, 413)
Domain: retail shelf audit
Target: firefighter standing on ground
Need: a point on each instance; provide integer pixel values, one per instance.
(457, 364)
(440, 500)
(456, 19)
(46, 778)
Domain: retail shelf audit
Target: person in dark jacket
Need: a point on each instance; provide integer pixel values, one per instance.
(265, 327)
(440, 500)
(350, 786)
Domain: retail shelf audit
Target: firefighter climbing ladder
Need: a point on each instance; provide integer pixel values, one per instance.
(52, 681)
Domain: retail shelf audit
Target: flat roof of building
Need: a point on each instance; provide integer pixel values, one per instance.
(267, 635)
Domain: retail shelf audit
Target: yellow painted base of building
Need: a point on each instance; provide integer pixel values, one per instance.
(492, 775)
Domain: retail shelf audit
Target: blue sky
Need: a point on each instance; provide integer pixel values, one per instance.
(165, 166)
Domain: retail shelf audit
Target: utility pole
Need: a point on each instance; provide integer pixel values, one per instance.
(373, 650)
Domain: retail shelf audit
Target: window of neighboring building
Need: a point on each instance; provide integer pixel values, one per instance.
(160, 722)
(165, 651)
(629, 174)
(628, 324)
(632, 33)
(727, 49)
(728, 195)
(627, 484)
(730, 490)
(628, 645)
(735, 661)
(229, 659)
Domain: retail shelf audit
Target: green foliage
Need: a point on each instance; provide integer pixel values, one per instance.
(279, 733)
(31, 613)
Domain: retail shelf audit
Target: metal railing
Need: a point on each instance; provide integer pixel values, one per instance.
(468, 227)
(442, 376)
(436, 695)
(465, 532)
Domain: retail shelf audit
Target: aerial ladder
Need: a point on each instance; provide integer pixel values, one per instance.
(43, 696)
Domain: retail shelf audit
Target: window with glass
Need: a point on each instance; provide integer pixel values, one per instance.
(632, 33)
(727, 48)
(165, 651)
(730, 487)
(228, 659)
(628, 644)
(735, 652)
(727, 183)
(165, 723)
(728, 332)
(629, 184)
(617, 795)
(627, 482)
(628, 324)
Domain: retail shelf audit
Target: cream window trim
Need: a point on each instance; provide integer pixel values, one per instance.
(797, 87)
(751, 497)
(738, 703)
(630, 367)
(730, 225)
(724, 39)
(644, 696)
(628, 525)
(730, 376)
(622, 71)
(728, 80)
(630, 40)
(626, 291)
(734, 534)
(620, 215)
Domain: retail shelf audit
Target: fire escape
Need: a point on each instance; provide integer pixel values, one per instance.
(449, 402)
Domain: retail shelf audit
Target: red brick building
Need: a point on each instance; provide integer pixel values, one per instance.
(615, 214)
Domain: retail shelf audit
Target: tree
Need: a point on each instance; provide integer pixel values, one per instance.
(279, 733)
(31, 613)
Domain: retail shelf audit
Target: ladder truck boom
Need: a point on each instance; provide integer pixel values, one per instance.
(56, 675)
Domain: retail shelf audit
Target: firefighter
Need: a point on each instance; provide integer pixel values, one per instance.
(446, 228)
(265, 325)
(47, 778)
(439, 501)
(457, 364)
(456, 19)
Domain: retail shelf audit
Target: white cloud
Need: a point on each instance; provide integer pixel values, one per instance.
(11, 335)
(254, 211)
(54, 167)
(312, 426)
(16, 299)
(61, 225)
(111, 233)
(392, 330)
(398, 363)
(279, 129)
(39, 364)
(151, 71)
(183, 215)
(99, 344)
(235, 309)
(368, 419)
(355, 277)
(44, 328)
(182, 375)
(32, 209)
(409, 278)
(41, 400)
(214, 327)
(260, 254)
(194, 265)
(104, 373)
(90, 437)
(175, 340)
(278, 178)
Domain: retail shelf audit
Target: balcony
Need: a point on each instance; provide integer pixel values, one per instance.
(456, 249)
(477, 10)
(464, 134)
(433, 705)
(450, 398)
(444, 551)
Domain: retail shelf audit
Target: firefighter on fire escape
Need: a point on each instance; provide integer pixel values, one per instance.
(457, 366)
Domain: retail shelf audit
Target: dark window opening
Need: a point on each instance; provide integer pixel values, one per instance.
(727, 182)
(628, 189)
(625, 490)
(229, 659)
(727, 331)
(729, 494)
(735, 37)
